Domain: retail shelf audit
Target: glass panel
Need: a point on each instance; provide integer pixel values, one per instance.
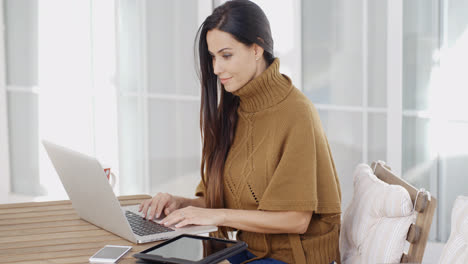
(131, 154)
(282, 17)
(453, 170)
(174, 147)
(420, 44)
(417, 163)
(377, 53)
(129, 46)
(66, 119)
(377, 137)
(449, 82)
(171, 29)
(332, 44)
(64, 45)
(344, 133)
(457, 22)
(450, 102)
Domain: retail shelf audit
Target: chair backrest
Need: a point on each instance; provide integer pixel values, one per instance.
(424, 205)
(456, 249)
(376, 222)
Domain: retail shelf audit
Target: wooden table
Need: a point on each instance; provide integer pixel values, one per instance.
(52, 232)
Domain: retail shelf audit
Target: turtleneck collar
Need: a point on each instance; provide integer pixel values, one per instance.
(265, 90)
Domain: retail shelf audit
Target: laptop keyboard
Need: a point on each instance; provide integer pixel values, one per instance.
(143, 227)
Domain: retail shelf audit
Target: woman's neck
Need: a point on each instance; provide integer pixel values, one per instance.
(261, 67)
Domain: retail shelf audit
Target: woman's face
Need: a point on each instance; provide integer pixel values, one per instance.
(234, 62)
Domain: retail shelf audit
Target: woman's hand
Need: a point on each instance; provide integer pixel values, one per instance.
(161, 202)
(195, 216)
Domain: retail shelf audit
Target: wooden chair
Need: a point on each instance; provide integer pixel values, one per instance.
(424, 204)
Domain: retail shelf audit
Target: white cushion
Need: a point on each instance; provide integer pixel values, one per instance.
(456, 249)
(376, 223)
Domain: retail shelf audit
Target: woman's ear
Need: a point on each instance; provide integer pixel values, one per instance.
(258, 51)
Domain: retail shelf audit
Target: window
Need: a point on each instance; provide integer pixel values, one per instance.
(344, 75)
(435, 125)
(59, 87)
(388, 80)
(159, 96)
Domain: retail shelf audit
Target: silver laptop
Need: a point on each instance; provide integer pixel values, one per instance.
(92, 197)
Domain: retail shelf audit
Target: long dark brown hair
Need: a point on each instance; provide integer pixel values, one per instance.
(247, 23)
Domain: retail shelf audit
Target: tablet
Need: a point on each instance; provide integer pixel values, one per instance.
(190, 249)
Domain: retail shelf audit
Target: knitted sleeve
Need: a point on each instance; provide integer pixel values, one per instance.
(305, 178)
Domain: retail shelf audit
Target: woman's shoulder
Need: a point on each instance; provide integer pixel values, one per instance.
(297, 108)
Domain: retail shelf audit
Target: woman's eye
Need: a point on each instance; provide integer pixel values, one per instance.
(226, 56)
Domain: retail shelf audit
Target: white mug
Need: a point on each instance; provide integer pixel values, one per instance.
(111, 177)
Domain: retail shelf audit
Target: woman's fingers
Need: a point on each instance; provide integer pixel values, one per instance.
(142, 204)
(170, 208)
(175, 217)
(169, 202)
(183, 223)
(159, 203)
(146, 204)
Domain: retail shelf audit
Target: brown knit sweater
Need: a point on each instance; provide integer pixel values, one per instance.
(280, 160)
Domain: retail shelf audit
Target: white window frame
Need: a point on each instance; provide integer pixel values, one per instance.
(395, 84)
(4, 150)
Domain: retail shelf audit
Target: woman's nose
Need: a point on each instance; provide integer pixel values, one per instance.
(217, 67)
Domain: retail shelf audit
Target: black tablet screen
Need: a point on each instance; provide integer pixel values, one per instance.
(192, 249)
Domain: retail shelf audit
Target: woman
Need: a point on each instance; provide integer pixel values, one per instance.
(267, 170)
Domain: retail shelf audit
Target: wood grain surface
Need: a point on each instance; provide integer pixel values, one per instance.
(52, 233)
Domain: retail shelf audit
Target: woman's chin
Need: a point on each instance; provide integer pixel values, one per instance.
(230, 88)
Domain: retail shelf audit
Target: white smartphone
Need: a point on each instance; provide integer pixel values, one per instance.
(109, 254)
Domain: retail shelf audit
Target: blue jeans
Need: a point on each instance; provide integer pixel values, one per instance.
(246, 255)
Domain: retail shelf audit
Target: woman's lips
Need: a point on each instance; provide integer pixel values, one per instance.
(223, 81)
